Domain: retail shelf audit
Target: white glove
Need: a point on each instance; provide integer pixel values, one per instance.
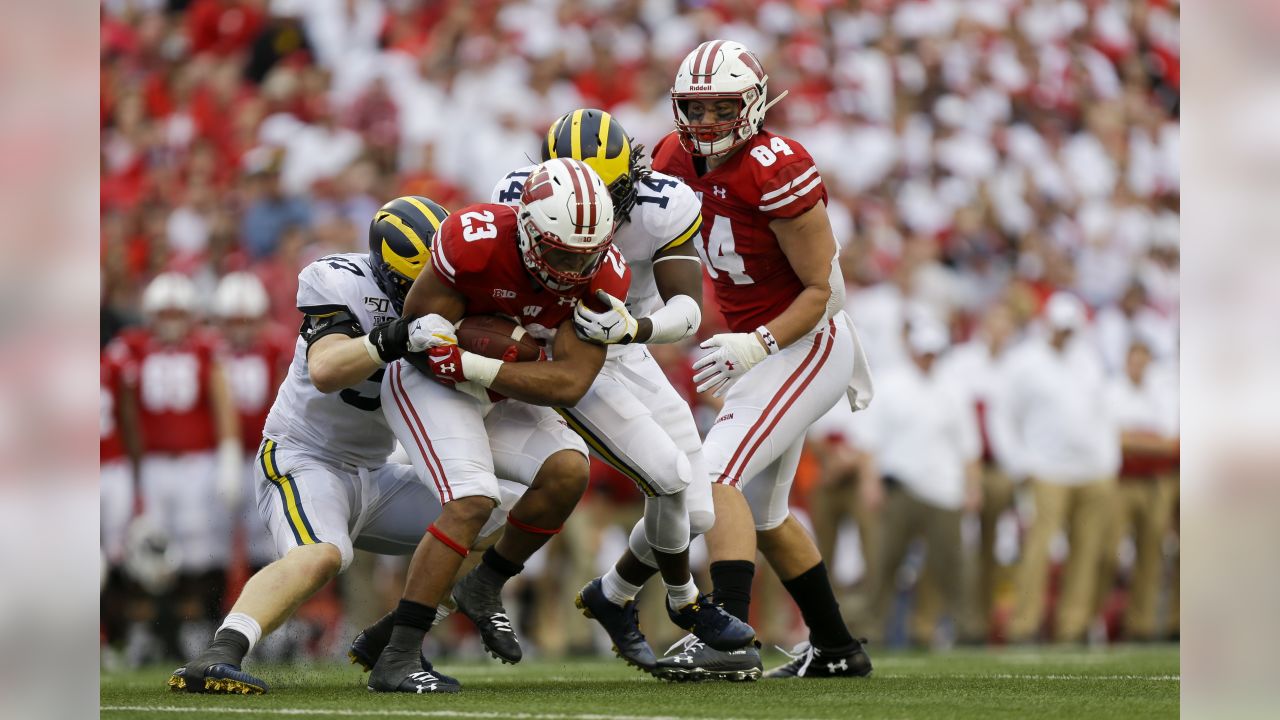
(733, 355)
(231, 469)
(613, 326)
(431, 331)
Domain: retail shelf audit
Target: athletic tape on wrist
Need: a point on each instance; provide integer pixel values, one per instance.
(531, 528)
(372, 349)
(449, 542)
(770, 343)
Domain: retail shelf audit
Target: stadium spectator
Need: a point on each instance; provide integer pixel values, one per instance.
(1051, 425)
(921, 441)
(1145, 401)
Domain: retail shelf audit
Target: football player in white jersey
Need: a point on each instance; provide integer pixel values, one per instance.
(324, 484)
(632, 417)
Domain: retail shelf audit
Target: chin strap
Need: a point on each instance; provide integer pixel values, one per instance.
(774, 101)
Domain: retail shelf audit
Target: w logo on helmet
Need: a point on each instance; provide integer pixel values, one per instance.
(751, 62)
(538, 187)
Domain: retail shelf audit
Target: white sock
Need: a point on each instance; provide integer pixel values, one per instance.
(617, 590)
(244, 625)
(680, 595)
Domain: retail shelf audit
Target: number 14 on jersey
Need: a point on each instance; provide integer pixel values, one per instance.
(719, 253)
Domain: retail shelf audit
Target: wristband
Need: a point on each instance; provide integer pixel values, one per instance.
(480, 369)
(373, 351)
(766, 337)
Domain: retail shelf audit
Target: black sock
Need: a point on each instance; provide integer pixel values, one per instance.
(412, 621)
(379, 633)
(415, 615)
(812, 591)
(731, 580)
(495, 568)
(228, 646)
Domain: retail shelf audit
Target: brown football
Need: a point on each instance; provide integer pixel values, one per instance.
(494, 335)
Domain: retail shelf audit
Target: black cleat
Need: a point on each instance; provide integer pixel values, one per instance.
(419, 682)
(622, 624)
(809, 662)
(482, 602)
(696, 662)
(364, 653)
(712, 624)
(217, 678)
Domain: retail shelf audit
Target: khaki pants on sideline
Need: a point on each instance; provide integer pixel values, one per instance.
(1144, 511)
(906, 518)
(1086, 511)
(981, 572)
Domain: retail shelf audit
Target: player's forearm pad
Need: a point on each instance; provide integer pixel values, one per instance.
(675, 321)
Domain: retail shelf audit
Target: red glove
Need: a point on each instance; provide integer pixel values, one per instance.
(446, 364)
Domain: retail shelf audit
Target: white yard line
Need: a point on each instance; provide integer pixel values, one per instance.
(345, 712)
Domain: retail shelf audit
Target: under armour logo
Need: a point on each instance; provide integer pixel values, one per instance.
(683, 658)
(566, 301)
(842, 665)
(728, 365)
(448, 368)
(719, 191)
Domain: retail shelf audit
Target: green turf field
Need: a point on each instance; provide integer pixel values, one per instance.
(1137, 682)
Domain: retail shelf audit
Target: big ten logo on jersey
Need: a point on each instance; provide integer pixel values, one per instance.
(503, 293)
(170, 382)
(249, 379)
(379, 308)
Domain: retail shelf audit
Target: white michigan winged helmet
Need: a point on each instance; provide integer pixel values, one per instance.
(565, 224)
(720, 70)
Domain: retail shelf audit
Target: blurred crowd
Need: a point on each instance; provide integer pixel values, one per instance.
(1003, 178)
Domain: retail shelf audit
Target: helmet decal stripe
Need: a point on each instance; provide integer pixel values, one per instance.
(577, 134)
(577, 194)
(403, 227)
(564, 137)
(549, 145)
(710, 63)
(697, 61)
(601, 138)
(615, 139)
(589, 135)
(588, 198)
(426, 210)
(591, 196)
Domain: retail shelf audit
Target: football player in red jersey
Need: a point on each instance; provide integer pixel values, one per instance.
(768, 246)
(256, 357)
(532, 263)
(190, 443)
(117, 482)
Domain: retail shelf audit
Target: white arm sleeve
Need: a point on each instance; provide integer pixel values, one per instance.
(675, 321)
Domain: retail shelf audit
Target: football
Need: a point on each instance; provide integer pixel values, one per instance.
(494, 336)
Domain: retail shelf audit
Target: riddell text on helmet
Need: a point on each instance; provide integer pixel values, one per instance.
(694, 88)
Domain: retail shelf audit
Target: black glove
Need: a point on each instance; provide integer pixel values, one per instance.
(391, 339)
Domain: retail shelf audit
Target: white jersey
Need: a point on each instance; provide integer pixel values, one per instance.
(666, 214)
(346, 426)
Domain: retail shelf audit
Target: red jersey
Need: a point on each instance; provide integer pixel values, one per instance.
(770, 177)
(475, 252)
(254, 375)
(175, 412)
(117, 374)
